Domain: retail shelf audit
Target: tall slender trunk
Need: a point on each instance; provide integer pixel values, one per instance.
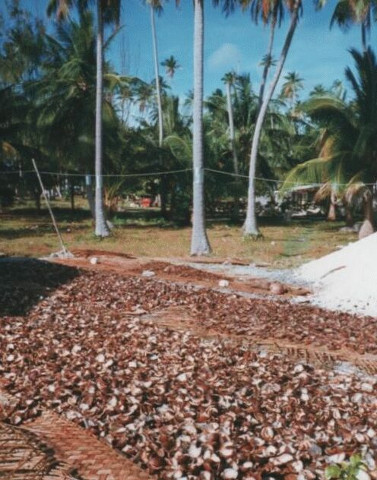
(89, 195)
(266, 68)
(367, 228)
(37, 198)
(250, 227)
(164, 196)
(232, 136)
(331, 215)
(368, 207)
(349, 217)
(157, 79)
(364, 36)
(159, 108)
(199, 241)
(72, 194)
(101, 229)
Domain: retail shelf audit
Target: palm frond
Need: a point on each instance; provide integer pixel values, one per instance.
(314, 171)
(355, 193)
(180, 147)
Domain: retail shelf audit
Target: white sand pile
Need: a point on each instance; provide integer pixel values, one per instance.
(345, 280)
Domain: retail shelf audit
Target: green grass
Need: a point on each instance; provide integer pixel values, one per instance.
(143, 232)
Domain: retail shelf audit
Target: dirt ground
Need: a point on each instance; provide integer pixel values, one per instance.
(176, 270)
(183, 377)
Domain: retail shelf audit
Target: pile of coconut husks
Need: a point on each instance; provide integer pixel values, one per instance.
(185, 405)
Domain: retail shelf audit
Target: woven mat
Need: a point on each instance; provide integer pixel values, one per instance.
(80, 449)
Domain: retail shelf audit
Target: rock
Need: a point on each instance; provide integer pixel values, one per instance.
(230, 473)
(366, 229)
(315, 450)
(362, 475)
(61, 254)
(277, 288)
(366, 387)
(100, 358)
(148, 273)
(336, 458)
(93, 260)
(223, 283)
(282, 459)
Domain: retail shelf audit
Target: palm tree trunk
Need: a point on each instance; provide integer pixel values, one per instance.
(159, 108)
(164, 196)
(268, 64)
(331, 215)
(89, 195)
(157, 78)
(349, 217)
(37, 198)
(364, 36)
(367, 228)
(199, 241)
(101, 229)
(232, 138)
(250, 227)
(368, 208)
(232, 135)
(72, 194)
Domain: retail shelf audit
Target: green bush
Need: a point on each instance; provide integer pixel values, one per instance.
(346, 470)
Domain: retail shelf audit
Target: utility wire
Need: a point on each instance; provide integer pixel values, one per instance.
(168, 172)
(114, 175)
(121, 175)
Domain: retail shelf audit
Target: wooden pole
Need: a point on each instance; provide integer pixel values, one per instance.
(64, 251)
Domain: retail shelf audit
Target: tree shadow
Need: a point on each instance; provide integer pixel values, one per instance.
(39, 231)
(25, 281)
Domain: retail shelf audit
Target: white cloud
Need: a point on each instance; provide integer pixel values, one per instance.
(227, 56)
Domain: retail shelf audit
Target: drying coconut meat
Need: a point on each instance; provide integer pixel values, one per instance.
(345, 280)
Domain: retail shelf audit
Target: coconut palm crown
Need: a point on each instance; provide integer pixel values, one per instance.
(350, 12)
(347, 145)
(108, 11)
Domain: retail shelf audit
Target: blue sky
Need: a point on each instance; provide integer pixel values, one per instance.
(318, 54)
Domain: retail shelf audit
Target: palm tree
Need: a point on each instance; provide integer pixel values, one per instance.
(318, 90)
(65, 98)
(199, 240)
(347, 158)
(127, 98)
(337, 89)
(229, 79)
(106, 13)
(271, 12)
(171, 66)
(250, 227)
(156, 6)
(349, 12)
(144, 94)
(291, 86)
